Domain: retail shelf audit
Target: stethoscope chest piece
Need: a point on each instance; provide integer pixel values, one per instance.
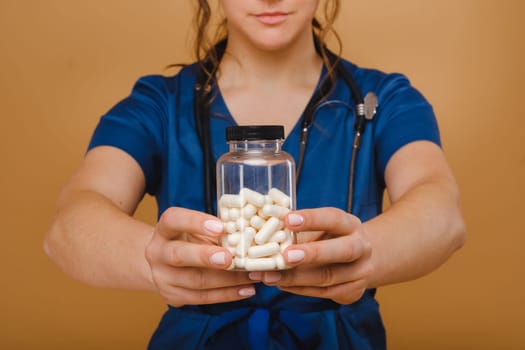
(371, 104)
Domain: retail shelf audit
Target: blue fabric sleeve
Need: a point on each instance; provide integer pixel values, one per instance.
(404, 116)
(137, 125)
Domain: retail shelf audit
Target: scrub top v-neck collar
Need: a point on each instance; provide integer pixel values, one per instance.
(219, 109)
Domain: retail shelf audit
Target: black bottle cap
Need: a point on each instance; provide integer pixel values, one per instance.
(254, 132)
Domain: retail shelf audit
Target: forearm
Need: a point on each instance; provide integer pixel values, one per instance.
(97, 243)
(417, 233)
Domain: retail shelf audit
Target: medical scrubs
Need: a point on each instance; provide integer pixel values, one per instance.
(156, 126)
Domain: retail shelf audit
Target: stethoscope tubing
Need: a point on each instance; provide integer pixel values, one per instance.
(201, 103)
(355, 147)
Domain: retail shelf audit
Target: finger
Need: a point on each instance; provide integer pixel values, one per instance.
(345, 293)
(176, 221)
(332, 220)
(180, 296)
(202, 279)
(309, 236)
(337, 250)
(321, 276)
(188, 254)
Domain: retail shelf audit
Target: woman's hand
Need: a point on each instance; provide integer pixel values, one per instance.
(337, 265)
(187, 265)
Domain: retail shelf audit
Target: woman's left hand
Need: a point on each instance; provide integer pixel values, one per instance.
(336, 266)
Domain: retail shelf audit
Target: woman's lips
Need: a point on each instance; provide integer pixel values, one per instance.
(271, 17)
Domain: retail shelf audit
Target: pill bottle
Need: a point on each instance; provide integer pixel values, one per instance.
(255, 190)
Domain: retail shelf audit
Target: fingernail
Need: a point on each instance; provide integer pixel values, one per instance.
(272, 277)
(213, 226)
(295, 255)
(246, 292)
(295, 220)
(255, 276)
(218, 258)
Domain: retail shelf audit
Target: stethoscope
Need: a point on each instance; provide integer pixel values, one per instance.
(365, 109)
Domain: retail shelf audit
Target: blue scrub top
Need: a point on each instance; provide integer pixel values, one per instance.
(156, 126)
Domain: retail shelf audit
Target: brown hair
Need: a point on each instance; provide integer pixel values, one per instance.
(205, 47)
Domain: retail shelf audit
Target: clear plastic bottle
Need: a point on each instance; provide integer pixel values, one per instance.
(255, 190)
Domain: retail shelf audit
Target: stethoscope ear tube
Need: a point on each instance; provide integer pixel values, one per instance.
(202, 123)
(201, 112)
(364, 111)
(359, 124)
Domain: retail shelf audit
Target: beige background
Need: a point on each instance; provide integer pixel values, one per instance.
(64, 63)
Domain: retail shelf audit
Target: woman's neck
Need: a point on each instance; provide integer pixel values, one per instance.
(268, 87)
(245, 65)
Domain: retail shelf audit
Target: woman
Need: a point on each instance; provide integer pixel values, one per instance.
(266, 70)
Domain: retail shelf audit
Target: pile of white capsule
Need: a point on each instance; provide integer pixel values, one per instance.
(255, 232)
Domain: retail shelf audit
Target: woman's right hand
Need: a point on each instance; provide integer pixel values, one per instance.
(187, 264)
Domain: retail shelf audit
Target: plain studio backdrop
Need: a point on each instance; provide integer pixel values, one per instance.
(64, 63)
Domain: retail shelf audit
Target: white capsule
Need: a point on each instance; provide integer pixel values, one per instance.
(274, 210)
(224, 213)
(231, 201)
(230, 227)
(234, 214)
(245, 242)
(259, 264)
(234, 238)
(239, 262)
(279, 236)
(224, 241)
(269, 228)
(279, 197)
(279, 261)
(288, 242)
(262, 214)
(227, 245)
(252, 197)
(268, 249)
(257, 222)
(242, 224)
(268, 200)
(248, 211)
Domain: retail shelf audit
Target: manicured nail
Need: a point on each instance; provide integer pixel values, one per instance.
(255, 276)
(295, 219)
(246, 292)
(214, 226)
(218, 258)
(295, 255)
(272, 277)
